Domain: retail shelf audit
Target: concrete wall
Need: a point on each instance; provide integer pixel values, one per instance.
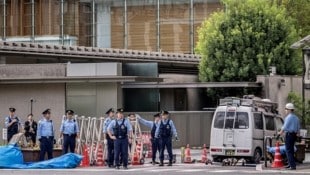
(193, 127)
(45, 96)
(278, 92)
(32, 70)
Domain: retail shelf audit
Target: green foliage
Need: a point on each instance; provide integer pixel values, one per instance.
(243, 41)
(296, 99)
(300, 11)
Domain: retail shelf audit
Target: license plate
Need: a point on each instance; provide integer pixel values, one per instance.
(230, 152)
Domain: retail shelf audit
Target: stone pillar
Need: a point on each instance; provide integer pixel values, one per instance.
(103, 14)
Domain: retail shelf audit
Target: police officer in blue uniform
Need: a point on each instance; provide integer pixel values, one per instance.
(108, 141)
(164, 132)
(45, 134)
(291, 128)
(155, 141)
(69, 131)
(120, 130)
(12, 123)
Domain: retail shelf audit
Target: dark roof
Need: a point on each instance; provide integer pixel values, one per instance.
(95, 53)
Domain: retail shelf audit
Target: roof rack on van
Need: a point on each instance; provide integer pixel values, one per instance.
(250, 101)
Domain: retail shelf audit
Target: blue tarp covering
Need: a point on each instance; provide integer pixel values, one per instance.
(272, 150)
(12, 157)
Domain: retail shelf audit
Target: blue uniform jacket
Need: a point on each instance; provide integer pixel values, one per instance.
(45, 128)
(173, 129)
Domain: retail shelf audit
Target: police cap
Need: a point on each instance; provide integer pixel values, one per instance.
(11, 109)
(70, 112)
(110, 110)
(120, 110)
(157, 115)
(164, 112)
(46, 111)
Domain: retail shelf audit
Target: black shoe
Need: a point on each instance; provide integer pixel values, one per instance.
(117, 167)
(111, 166)
(288, 166)
(161, 164)
(125, 168)
(292, 168)
(169, 164)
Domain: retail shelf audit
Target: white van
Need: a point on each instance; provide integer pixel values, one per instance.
(239, 126)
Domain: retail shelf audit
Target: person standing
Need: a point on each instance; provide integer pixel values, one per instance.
(31, 129)
(108, 141)
(69, 131)
(164, 132)
(291, 129)
(12, 123)
(120, 130)
(153, 125)
(45, 134)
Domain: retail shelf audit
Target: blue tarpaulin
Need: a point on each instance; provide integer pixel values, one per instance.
(12, 157)
(272, 150)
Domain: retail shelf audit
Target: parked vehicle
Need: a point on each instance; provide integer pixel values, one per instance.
(239, 126)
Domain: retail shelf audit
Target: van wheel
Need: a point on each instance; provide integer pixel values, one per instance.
(256, 156)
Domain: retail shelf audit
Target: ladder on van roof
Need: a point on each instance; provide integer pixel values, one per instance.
(250, 101)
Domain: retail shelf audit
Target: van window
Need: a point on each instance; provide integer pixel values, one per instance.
(242, 120)
(270, 125)
(258, 121)
(229, 122)
(279, 123)
(219, 120)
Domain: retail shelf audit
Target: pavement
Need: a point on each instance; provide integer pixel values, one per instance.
(177, 168)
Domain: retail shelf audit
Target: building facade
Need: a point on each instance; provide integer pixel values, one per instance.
(151, 25)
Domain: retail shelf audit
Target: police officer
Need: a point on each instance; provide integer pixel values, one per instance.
(69, 131)
(45, 135)
(120, 130)
(155, 141)
(165, 131)
(108, 141)
(291, 129)
(31, 129)
(12, 123)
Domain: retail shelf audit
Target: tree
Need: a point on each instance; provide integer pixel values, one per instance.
(299, 10)
(245, 40)
(297, 101)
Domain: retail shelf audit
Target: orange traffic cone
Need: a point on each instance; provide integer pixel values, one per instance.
(204, 158)
(187, 157)
(99, 161)
(135, 158)
(85, 160)
(277, 162)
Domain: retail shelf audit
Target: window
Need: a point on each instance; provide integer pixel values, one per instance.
(279, 123)
(258, 121)
(270, 125)
(242, 120)
(219, 120)
(229, 122)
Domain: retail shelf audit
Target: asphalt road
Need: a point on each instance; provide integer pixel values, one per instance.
(184, 169)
